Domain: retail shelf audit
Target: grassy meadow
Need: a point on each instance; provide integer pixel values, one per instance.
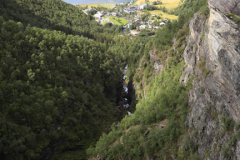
(105, 5)
(118, 21)
(169, 4)
(138, 2)
(163, 15)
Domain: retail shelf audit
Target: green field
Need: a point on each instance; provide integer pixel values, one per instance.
(118, 21)
(138, 2)
(105, 5)
(169, 6)
(163, 15)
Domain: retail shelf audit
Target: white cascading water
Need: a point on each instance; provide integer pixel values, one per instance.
(125, 88)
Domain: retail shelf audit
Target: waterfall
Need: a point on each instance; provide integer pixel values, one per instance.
(125, 88)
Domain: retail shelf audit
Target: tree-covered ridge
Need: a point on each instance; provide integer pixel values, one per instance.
(189, 7)
(56, 15)
(55, 90)
(44, 13)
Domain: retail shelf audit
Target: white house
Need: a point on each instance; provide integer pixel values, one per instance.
(98, 15)
(130, 10)
(134, 33)
(162, 24)
(153, 15)
(142, 6)
(143, 27)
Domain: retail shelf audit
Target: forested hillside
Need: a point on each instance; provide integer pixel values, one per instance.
(47, 87)
(55, 15)
(59, 77)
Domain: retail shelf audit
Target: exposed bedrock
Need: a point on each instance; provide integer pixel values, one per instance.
(213, 57)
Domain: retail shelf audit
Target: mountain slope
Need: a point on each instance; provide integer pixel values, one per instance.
(213, 57)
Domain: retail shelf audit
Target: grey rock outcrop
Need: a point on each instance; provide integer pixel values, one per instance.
(158, 67)
(226, 6)
(213, 58)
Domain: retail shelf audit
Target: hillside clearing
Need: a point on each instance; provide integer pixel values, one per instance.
(138, 2)
(118, 21)
(169, 6)
(163, 15)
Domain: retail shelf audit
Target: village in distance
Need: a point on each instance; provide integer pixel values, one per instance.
(137, 17)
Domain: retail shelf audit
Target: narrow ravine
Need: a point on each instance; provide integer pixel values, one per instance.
(125, 89)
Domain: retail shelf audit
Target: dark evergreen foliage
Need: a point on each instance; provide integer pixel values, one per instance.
(55, 88)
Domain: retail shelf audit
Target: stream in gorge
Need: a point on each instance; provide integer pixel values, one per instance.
(125, 89)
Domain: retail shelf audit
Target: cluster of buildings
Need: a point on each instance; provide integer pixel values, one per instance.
(132, 9)
(99, 15)
(140, 24)
(143, 25)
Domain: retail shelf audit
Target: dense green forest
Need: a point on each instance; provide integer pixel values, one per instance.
(59, 76)
(56, 15)
(47, 87)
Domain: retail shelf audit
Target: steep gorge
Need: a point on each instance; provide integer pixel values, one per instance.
(212, 57)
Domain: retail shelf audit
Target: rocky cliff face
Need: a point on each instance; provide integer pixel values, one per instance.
(226, 6)
(213, 60)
